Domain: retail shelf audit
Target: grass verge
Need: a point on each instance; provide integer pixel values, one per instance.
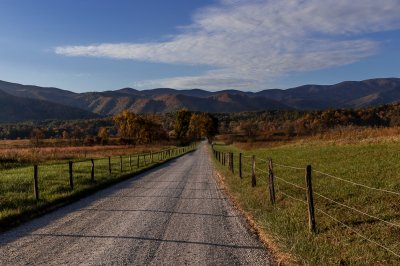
(372, 164)
(17, 201)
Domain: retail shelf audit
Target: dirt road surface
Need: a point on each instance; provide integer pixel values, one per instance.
(174, 214)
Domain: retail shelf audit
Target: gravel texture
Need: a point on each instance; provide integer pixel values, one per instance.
(174, 214)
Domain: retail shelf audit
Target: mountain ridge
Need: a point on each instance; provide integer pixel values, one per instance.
(346, 94)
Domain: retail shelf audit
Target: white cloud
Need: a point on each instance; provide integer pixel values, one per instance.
(249, 42)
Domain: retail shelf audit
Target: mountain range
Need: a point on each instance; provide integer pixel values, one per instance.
(26, 102)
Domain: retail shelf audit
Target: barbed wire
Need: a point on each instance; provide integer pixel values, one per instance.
(358, 233)
(289, 196)
(261, 159)
(248, 164)
(290, 183)
(331, 200)
(261, 170)
(357, 210)
(357, 184)
(342, 223)
(288, 166)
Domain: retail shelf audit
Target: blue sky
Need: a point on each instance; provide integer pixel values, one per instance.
(210, 44)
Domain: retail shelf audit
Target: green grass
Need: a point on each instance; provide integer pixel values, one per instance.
(17, 200)
(376, 165)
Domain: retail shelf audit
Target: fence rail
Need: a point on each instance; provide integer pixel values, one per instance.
(250, 162)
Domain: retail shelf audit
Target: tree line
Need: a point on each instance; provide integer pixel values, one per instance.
(125, 128)
(184, 125)
(291, 123)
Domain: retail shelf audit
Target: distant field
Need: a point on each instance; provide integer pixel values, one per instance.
(16, 179)
(19, 151)
(337, 242)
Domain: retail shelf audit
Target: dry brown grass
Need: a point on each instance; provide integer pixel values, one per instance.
(21, 152)
(337, 136)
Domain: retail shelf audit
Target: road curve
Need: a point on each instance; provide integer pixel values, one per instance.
(174, 214)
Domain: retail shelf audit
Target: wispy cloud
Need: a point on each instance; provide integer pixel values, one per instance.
(249, 42)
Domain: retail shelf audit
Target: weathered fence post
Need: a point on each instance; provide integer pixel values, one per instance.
(271, 182)
(151, 155)
(109, 164)
(92, 172)
(253, 171)
(138, 161)
(35, 182)
(120, 162)
(240, 165)
(71, 179)
(310, 200)
(130, 162)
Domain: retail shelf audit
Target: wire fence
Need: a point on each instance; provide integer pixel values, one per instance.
(31, 185)
(247, 166)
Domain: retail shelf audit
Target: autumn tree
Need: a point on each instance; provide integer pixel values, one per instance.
(195, 128)
(137, 129)
(182, 122)
(103, 135)
(202, 125)
(209, 126)
(125, 125)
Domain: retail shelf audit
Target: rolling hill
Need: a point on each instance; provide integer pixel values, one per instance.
(348, 94)
(14, 109)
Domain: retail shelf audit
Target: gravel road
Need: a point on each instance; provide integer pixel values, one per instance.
(174, 214)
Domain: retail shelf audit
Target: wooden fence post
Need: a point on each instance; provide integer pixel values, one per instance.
(92, 172)
(71, 179)
(240, 165)
(120, 162)
(271, 182)
(310, 200)
(109, 164)
(253, 171)
(35, 182)
(138, 161)
(130, 162)
(151, 155)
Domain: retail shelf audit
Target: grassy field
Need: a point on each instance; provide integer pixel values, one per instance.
(337, 240)
(17, 200)
(21, 151)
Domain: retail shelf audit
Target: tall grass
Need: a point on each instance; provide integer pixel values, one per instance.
(17, 154)
(373, 164)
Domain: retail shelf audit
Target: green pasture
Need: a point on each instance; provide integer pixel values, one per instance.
(17, 198)
(344, 236)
